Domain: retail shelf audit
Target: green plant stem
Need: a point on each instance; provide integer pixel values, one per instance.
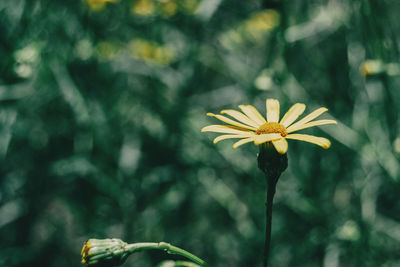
(268, 205)
(186, 264)
(272, 164)
(166, 247)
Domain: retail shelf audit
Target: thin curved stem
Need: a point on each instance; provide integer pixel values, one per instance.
(185, 264)
(166, 247)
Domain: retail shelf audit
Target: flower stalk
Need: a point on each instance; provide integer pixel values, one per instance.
(272, 164)
(115, 251)
(170, 249)
(171, 263)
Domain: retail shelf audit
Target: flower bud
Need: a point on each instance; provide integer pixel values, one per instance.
(271, 162)
(98, 252)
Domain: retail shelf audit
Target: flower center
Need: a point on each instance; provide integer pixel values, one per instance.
(272, 127)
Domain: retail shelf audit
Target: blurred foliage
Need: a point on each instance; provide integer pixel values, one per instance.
(101, 106)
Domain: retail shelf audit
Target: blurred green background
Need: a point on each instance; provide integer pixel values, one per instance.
(101, 106)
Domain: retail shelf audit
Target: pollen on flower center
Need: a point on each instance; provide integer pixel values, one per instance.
(272, 127)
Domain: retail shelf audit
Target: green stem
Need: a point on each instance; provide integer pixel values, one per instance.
(272, 164)
(166, 247)
(268, 205)
(185, 264)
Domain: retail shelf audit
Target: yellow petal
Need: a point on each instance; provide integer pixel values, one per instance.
(280, 145)
(293, 113)
(253, 113)
(323, 142)
(243, 141)
(230, 136)
(272, 110)
(232, 122)
(224, 129)
(309, 124)
(241, 117)
(262, 138)
(309, 117)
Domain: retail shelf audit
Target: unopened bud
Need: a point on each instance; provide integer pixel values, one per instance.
(271, 162)
(98, 252)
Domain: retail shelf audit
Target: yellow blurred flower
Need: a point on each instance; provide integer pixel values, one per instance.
(376, 67)
(107, 50)
(168, 8)
(97, 5)
(253, 30)
(372, 67)
(189, 6)
(150, 52)
(263, 21)
(143, 7)
(251, 126)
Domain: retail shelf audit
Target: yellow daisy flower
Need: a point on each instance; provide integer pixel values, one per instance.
(251, 126)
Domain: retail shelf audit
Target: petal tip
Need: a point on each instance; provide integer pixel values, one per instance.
(327, 145)
(281, 150)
